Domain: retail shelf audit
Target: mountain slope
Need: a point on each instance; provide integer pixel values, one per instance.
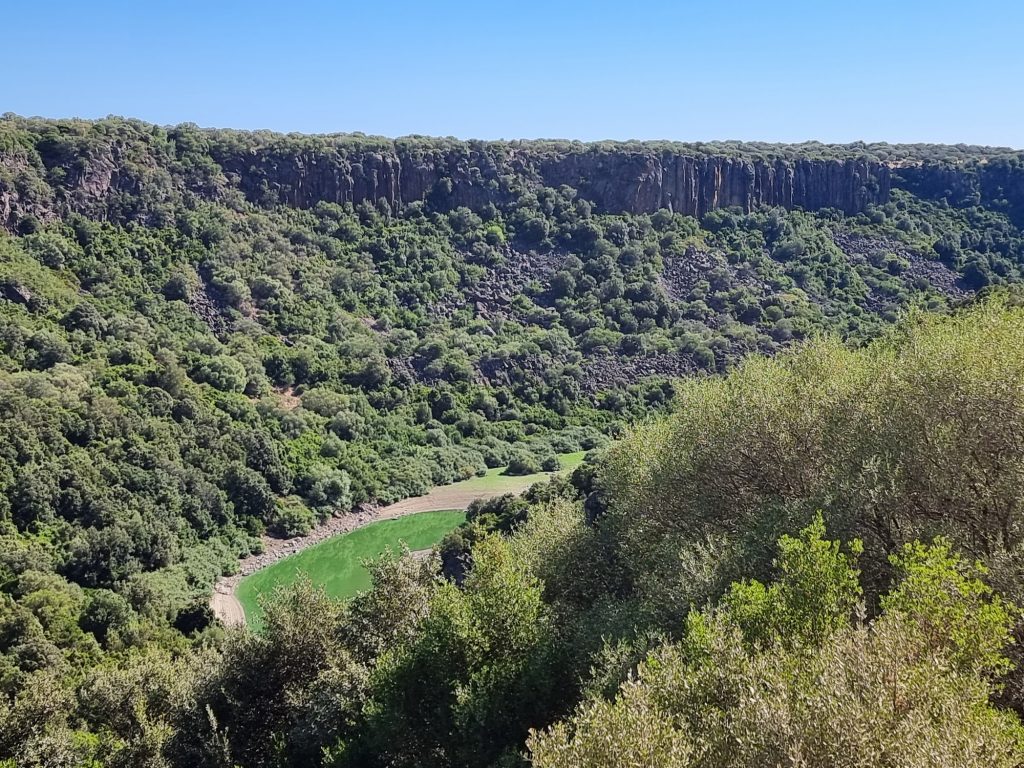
(208, 335)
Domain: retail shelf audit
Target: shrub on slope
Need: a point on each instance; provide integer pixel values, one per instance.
(918, 434)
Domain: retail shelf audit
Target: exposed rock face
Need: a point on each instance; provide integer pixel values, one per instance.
(615, 181)
(396, 176)
(110, 177)
(1000, 181)
(15, 292)
(645, 182)
(8, 208)
(13, 203)
(131, 171)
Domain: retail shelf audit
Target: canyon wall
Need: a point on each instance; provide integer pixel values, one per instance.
(126, 170)
(626, 180)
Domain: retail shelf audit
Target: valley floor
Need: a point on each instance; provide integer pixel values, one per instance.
(224, 601)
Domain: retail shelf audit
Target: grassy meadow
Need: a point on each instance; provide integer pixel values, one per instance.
(337, 563)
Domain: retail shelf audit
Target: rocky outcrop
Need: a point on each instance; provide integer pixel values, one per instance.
(642, 182)
(45, 176)
(302, 177)
(8, 208)
(614, 180)
(17, 201)
(999, 181)
(913, 266)
(127, 170)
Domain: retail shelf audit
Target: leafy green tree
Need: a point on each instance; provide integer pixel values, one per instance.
(250, 493)
(105, 612)
(814, 595)
(460, 690)
(887, 693)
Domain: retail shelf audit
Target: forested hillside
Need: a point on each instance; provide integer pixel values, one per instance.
(210, 335)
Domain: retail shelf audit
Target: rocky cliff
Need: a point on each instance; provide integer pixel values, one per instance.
(618, 180)
(127, 170)
(998, 183)
(643, 182)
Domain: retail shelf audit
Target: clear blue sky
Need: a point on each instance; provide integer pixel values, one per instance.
(779, 71)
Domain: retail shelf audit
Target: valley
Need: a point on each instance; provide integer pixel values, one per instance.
(718, 444)
(447, 500)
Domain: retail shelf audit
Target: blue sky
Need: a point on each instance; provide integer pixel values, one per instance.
(784, 71)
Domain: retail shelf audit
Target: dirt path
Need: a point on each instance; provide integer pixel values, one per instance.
(228, 609)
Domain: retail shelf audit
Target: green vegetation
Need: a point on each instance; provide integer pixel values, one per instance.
(915, 436)
(781, 674)
(337, 563)
(207, 346)
(501, 480)
(813, 556)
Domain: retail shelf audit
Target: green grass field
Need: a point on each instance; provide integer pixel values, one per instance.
(497, 482)
(337, 562)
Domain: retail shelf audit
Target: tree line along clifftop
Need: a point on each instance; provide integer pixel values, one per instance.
(114, 168)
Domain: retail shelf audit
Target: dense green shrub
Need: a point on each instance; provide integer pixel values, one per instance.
(914, 435)
(187, 364)
(779, 673)
(522, 463)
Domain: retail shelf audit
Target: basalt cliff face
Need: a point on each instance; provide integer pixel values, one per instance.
(643, 182)
(127, 170)
(614, 181)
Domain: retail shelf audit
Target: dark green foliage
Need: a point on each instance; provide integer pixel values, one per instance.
(198, 354)
(523, 463)
(890, 692)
